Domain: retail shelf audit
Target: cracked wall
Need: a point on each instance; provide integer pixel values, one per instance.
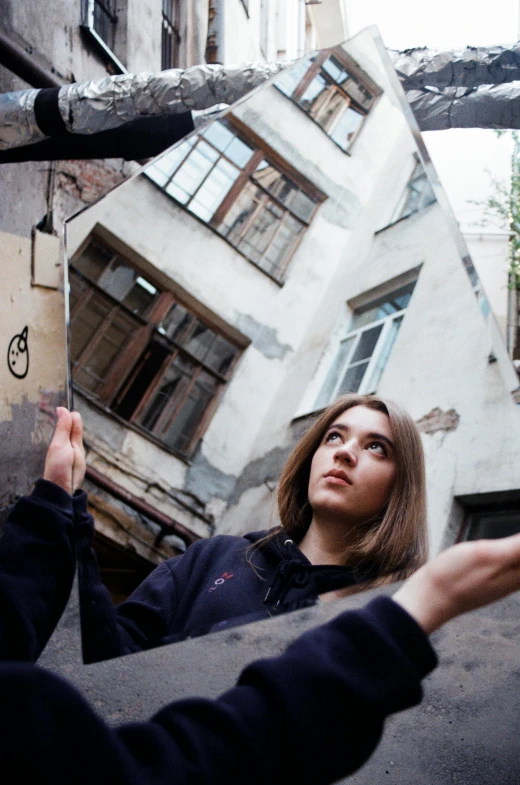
(33, 374)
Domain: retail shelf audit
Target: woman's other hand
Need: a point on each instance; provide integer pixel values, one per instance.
(65, 461)
(460, 579)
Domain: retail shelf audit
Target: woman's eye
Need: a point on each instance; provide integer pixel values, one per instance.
(378, 447)
(332, 436)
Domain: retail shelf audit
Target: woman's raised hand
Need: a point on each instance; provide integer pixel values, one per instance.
(460, 579)
(65, 461)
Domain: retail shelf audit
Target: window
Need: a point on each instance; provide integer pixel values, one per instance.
(170, 34)
(364, 351)
(100, 20)
(331, 89)
(237, 189)
(137, 350)
(492, 524)
(418, 194)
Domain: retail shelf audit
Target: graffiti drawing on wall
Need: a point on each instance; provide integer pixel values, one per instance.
(18, 355)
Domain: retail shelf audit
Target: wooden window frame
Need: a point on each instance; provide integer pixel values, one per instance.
(245, 176)
(347, 62)
(126, 367)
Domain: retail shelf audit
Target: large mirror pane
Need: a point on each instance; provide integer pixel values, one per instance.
(297, 249)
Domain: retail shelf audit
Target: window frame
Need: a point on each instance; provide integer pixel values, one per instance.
(315, 69)
(337, 371)
(129, 362)
(88, 26)
(170, 28)
(261, 151)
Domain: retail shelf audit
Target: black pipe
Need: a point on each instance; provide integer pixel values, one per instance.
(16, 59)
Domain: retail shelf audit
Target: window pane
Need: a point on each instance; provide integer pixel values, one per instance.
(183, 427)
(86, 323)
(176, 323)
(211, 194)
(162, 169)
(115, 336)
(261, 231)
(493, 525)
(221, 355)
(200, 341)
(329, 109)
(384, 354)
(283, 242)
(352, 379)
(141, 296)
(117, 279)
(228, 143)
(93, 261)
(391, 303)
(167, 397)
(346, 128)
(366, 344)
(194, 169)
(327, 391)
(236, 220)
(291, 77)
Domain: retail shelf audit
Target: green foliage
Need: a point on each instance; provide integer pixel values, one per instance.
(504, 203)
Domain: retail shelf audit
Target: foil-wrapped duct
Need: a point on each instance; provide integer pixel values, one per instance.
(94, 106)
(469, 67)
(488, 106)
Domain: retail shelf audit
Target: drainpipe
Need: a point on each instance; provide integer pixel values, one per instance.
(16, 59)
(215, 45)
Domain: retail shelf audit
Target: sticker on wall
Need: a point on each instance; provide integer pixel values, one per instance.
(18, 355)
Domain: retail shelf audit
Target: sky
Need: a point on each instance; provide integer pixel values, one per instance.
(466, 159)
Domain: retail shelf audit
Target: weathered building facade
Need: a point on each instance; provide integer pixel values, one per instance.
(290, 252)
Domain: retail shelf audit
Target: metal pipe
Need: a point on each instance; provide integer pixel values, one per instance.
(139, 505)
(16, 59)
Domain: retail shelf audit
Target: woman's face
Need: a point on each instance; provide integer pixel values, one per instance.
(353, 469)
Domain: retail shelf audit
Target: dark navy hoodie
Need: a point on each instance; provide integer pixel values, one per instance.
(216, 584)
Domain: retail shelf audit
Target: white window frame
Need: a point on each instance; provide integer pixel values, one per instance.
(88, 26)
(367, 385)
(329, 390)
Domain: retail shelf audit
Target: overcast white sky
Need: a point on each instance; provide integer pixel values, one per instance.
(465, 159)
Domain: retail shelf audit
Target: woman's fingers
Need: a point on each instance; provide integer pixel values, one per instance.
(76, 439)
(462, 578)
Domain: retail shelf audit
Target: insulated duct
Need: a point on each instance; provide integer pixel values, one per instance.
(468, 88)
(98, 106)
(469, 67)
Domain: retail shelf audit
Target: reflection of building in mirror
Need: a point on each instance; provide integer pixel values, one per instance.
(261, 207)
(156, 337)
(174, 365)
(251, 275)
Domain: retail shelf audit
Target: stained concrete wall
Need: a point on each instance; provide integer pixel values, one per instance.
(33, 370)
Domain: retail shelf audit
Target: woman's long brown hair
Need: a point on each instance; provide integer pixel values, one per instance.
(393, 544)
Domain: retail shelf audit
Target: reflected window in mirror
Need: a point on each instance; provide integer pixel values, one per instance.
(364, 351)
(418, 193)
(243, 191)
(333, 91)
(138, 351)
(170, 34)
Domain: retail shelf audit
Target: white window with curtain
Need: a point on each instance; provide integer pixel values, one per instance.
(366, 347)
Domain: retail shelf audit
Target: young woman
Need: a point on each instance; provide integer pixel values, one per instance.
(317, 711)
(37, 560)
(351, 502)
(312, 715)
